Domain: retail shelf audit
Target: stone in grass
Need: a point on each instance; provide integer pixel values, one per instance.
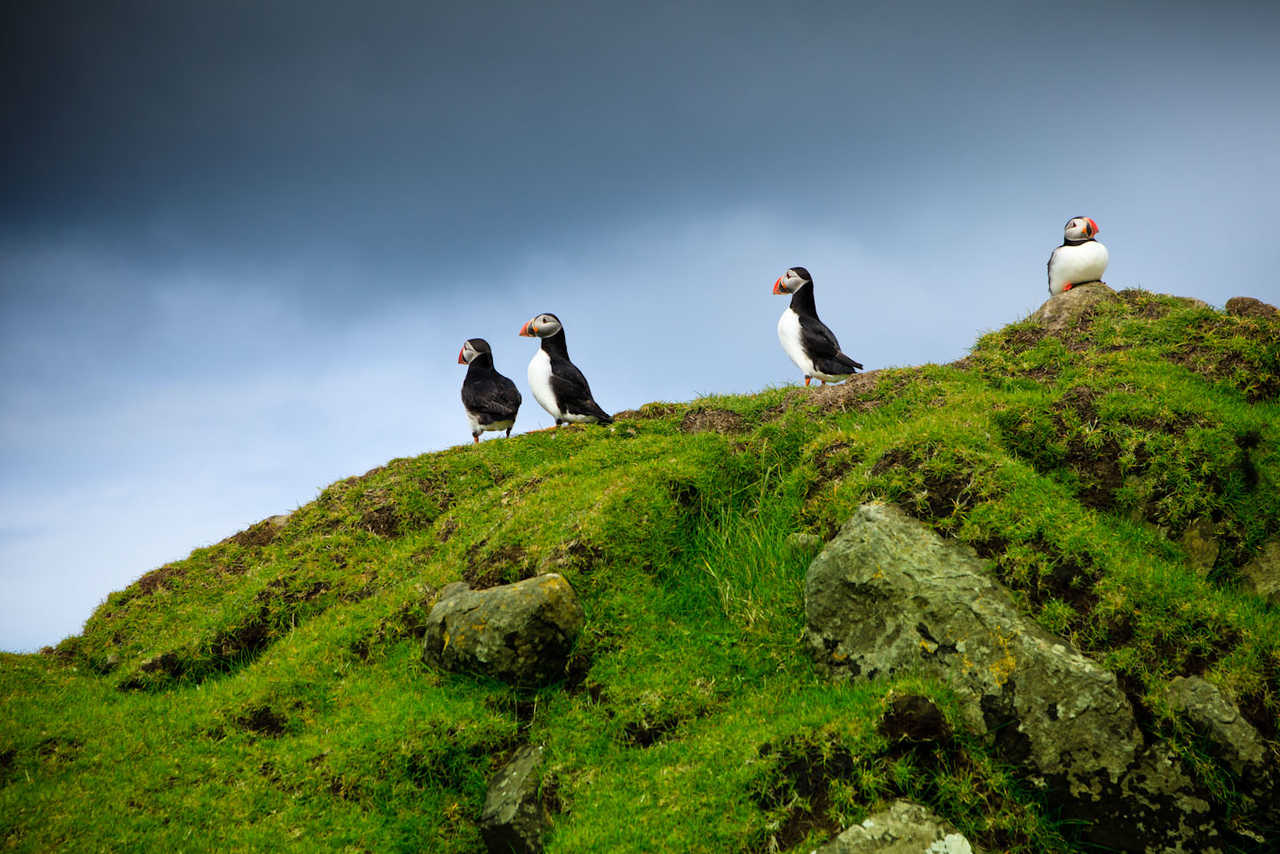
(1201, 545)
(1231, 738)
(904, 828)
(520, 633)
(515, 814)
(1261, 575)
(1059, 312)
(889, 596)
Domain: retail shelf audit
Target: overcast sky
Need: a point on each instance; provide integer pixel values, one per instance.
(241, 243)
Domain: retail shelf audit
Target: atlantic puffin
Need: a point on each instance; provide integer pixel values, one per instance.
(490, 399)
(1079, 259)
(805, 338)
(557, 384)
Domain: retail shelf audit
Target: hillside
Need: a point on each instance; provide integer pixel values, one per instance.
(1119, 472)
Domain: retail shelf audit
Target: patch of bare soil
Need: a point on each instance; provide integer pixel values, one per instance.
(856, 394)
(157, 579)
(504, 565)
(712, 421)
(261, 533)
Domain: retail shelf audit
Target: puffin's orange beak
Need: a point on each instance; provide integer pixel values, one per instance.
(1093, 226)
(461, 361)
(524, 330)
(777, 286)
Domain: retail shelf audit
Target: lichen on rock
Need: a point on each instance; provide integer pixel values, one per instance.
(888, 596)
(520, 633)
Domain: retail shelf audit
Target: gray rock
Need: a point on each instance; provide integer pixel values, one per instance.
(514, 816)
(521, 633)
(889, 596)
(1235, 741)
(1060, 312)
(1261, 575)
(1201, 545)
(904, 828)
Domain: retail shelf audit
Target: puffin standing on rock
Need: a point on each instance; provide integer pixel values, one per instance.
(1079, 259)
(557, 384)
(805, 338)
(490, 399)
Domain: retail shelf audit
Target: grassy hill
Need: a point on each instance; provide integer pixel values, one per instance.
(267, 692)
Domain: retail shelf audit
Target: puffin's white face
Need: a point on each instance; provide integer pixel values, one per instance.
(1080, 228)
(791, 281)
(542, 326)
(471, 348)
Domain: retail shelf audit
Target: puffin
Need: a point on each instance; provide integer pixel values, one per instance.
(557, 384)
(805, 338)
(490, 399)
(1079, 259)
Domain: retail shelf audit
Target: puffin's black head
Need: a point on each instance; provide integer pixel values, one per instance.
(1079, 228)
(541, 326)
(792, 280)
(471, 348)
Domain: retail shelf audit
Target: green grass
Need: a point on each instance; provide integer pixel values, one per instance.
(267, 691)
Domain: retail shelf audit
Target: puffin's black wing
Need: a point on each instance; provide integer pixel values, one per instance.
(822, 347)
(491, 397)
(1048, 268)
(572, 392)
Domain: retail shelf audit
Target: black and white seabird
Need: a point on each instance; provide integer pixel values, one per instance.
(557, 384)
(1079, 259)
(490, 399)
(805, 338)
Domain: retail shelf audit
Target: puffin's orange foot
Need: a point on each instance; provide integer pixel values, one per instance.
(476, 439)
(807, 380)
(1068, 286)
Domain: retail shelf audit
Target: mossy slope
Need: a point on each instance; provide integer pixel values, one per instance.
(266, 691)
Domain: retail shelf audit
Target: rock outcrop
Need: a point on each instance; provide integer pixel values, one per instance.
(521, 633)
(1059, 312)
(904, 828)
(889, 596)
(514, 816)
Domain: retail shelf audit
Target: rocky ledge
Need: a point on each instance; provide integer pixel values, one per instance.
(889, 596)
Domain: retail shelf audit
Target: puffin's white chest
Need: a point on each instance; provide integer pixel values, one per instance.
(478, 427)
(1084, 263)
(789, 336)
(540, 382)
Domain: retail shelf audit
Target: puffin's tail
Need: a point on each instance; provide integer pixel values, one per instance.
(840, 363)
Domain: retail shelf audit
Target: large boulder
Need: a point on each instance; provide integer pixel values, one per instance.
(889, 596)
(515, 815)
(521, 633)
(904, 828)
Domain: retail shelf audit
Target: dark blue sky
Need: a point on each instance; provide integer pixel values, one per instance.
(242, 242)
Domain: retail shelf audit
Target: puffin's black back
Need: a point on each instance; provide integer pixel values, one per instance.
(573, 393)
(486, 393)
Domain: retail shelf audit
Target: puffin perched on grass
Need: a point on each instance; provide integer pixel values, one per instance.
(557, 384)
(805, 338)
(1079, 259)
(490, 399)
